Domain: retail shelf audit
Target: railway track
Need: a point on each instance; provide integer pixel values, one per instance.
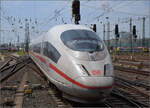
(47, 95)
(133, 83)
(133, 77)
(5, 64)
(133, 63)
(10, 80)
(136, 71)
(10, 70)
(134, 92)
(136, 58)
(9, 90)
(10, 59)
(14, 92)
(119, 98)
(128, 86)
(11, 65)
(55, 94)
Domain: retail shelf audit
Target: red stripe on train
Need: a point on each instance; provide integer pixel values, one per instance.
(42, 59)
(39, 57)
(68, 78)
(75, 82)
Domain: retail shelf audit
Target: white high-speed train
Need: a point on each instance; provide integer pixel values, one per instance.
(76, 61)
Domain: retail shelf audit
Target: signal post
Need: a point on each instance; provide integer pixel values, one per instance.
(76, 11)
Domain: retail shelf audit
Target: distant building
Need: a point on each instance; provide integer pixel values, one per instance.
(125, 41)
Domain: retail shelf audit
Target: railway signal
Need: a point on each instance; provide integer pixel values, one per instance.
(134, 36)
(116, 41)
(94, 27)
(76, 7)
(117, 31)
(134, 32)
(76, 10)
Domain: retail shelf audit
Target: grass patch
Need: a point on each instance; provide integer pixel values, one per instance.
(21, 53)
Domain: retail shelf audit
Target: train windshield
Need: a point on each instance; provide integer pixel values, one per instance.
(82, 40)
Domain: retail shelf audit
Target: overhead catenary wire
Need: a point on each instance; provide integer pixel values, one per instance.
(96, 19)
(57, 13)
(116, 9)
(105, 11)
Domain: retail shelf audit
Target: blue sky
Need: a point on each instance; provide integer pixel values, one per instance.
(51, 13)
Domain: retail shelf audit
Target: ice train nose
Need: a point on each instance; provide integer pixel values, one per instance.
(95, 82)
(93, 88)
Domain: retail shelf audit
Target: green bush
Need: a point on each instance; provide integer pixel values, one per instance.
(21, 53)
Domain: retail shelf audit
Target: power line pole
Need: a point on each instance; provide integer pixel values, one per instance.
(108, 33)
(143, 33)
(131, 34)
(3, 41)
(0, 37)
(104, 32)
(18, 46)
(0, 21)
(26, 35)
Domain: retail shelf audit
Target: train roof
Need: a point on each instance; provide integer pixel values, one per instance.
(65, 27)
(55, 32)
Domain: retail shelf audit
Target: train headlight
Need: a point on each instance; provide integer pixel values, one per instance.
(108, 70)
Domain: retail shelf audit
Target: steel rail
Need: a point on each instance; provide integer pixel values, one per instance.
(116, 93)
(15, 69)
(8, 67)
(5, 64)
(131, 88)
(53, 91)
(131, 63)
(124, 69)
(134, 83)
(128, 96)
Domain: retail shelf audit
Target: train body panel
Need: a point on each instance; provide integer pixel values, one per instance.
(80, 71)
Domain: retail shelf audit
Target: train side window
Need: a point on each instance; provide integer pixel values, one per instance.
(31, 47)
(37, 48)
(34, 48)
(51, 52)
